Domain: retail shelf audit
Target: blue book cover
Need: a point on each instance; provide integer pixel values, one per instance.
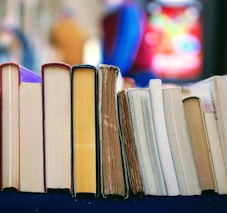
(27, 75)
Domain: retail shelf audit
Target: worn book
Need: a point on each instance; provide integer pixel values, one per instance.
(113, 175)
(56, 88)
(199, 141)
(11, 77)
(212, 93)
(85, 130)
(179, 140)
(156, 90)
(145, 139)
(128, 142)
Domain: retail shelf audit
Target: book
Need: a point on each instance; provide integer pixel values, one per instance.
(156, 91)
(180, 142)
(199, 141)
(85, 129)
(128, 142)
(12, 74)
(56, 93)
(208, 91)
(112, 171)
(145, 140)
(31, 138)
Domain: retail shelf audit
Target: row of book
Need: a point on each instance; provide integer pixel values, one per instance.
(78, 128)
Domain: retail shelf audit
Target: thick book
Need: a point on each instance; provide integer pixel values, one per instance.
(179, 140)
(156, 91)
(212, 93)
(199, 141)
(31, 138)
(113, 170)
(85, 130)
(128, 142)
(145, 139)
(12, 75)
(56, 93)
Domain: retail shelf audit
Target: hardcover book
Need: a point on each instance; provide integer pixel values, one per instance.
(85, 129)
(31, 138)
(11, 76)
(56, 93)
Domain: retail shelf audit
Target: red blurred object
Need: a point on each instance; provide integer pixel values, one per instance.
(177, 42)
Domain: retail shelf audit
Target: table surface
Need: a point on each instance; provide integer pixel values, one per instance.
(13, 201)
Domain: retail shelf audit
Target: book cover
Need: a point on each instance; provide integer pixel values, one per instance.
(26, 75)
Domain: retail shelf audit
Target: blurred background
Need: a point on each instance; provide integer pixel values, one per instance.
(207, 44)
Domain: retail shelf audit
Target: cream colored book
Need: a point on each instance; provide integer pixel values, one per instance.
(213, 97)
(156, 93)
(140, 105)
(180, 142)
(12, 75)
(31, 138)
(57, 125)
